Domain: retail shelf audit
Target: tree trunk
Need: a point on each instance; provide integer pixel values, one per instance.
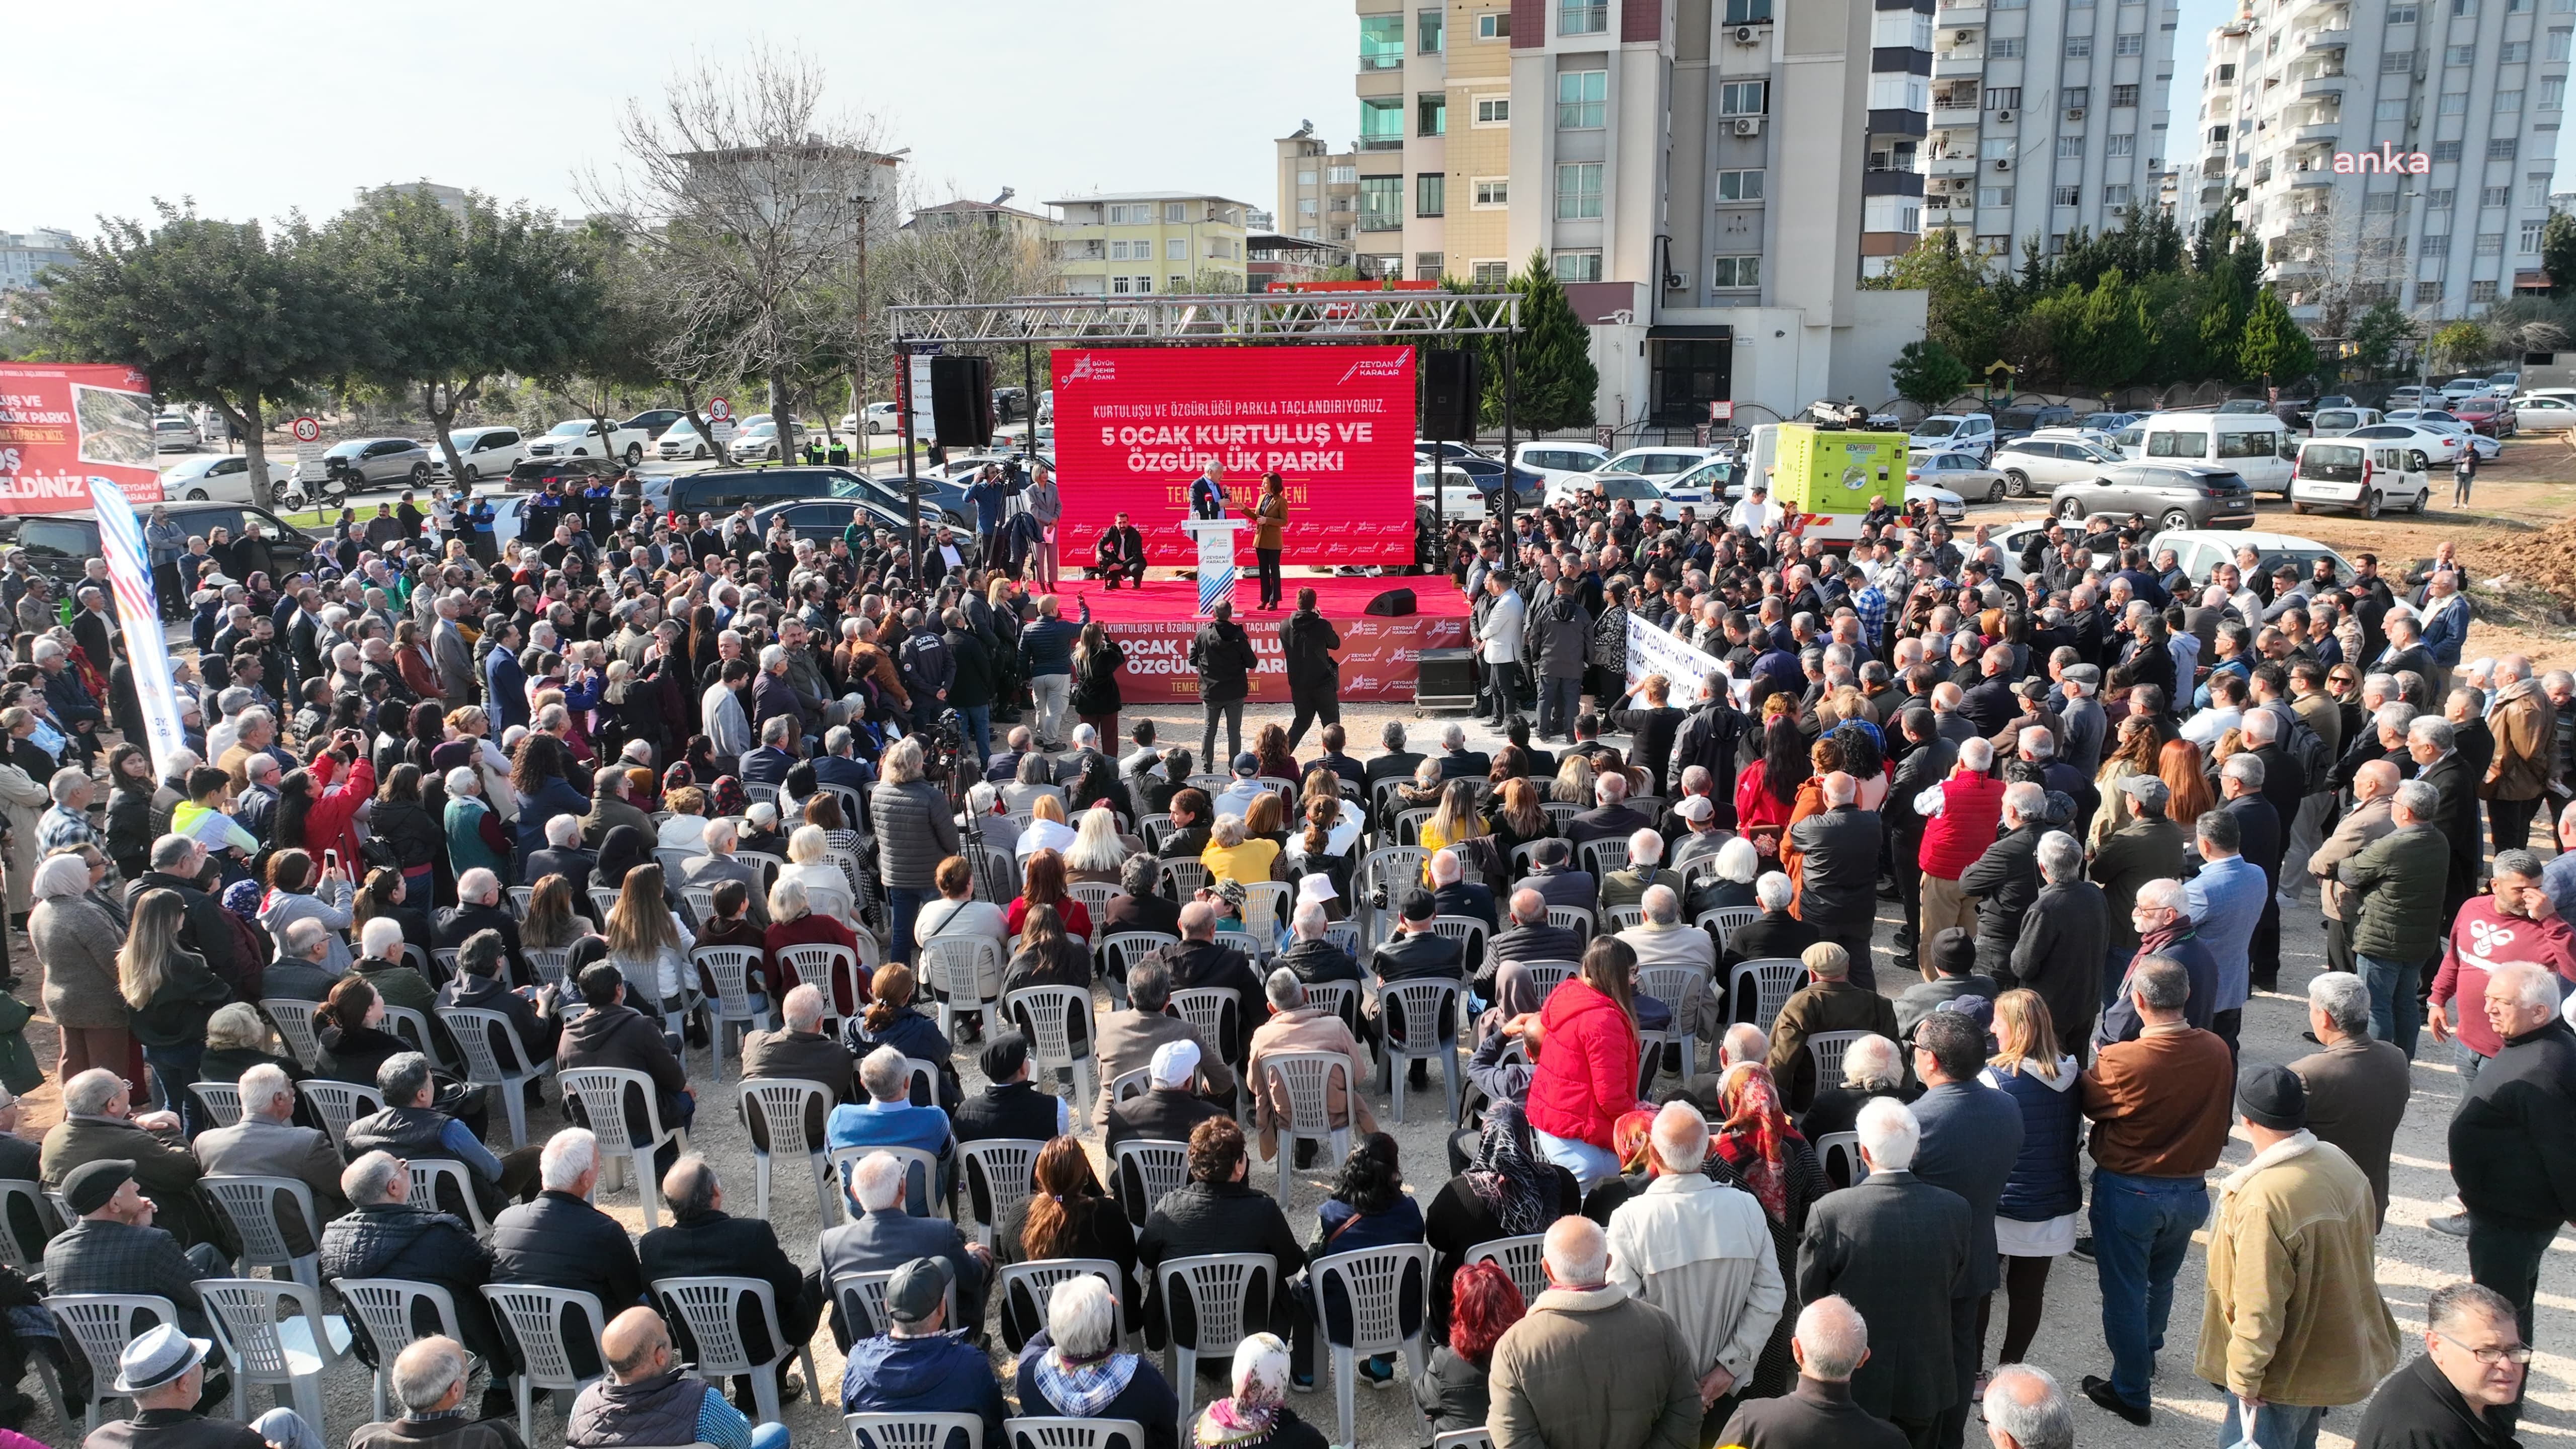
(444, 419)
(253, 426)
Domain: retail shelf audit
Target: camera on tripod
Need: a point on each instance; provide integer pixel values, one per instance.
(941, 745)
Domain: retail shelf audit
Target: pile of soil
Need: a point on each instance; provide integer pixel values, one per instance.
(2538, 570)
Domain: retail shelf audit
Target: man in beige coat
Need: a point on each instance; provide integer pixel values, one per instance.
(2372, 786)
(1700, 1250)
(2292, 1323)
(1129, 1039)
(1296, 1027)
(1589, 1366)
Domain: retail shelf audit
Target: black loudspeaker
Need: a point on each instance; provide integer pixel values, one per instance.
(1448, 679)
(961, 400)
(1449, 394)
(1393, 604)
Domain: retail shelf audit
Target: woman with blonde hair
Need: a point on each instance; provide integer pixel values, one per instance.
(75, 940)
(686, 829)
(2133, 752)
(1266, 818)
(169, 993)
(1454, 819)
(2035, 1219)
(1098, 852)
(1574, 779)
(648, 945)
(810, 864)
(1517, 818)
(473, 726)
(238, 1038)
(1046, 829)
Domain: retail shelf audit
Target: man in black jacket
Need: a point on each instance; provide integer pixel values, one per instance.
(1414, 953)
(1198, 961)
(386, 1235)
(1927, 761)
(702, 1240)
(1121, 554)
(479, 908)
(561, 1241)
(2513, 1140)
(2065, 938)
(1838, 886)
(1337, 759)
(613, 1034)
(1222, 655)
(1166, 1111)
(2005, 880)
(1394, 761)
(2432, 745)
(179, 864)
(1308, 640)
(2453, 1397)
(1830, 1343)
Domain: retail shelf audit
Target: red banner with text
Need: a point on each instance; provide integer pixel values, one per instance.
(61, 426)
(1133, 426)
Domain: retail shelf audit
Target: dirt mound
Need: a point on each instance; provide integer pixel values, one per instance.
(2535, 563)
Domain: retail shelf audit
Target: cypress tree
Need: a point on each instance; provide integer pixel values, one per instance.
(1554, 380)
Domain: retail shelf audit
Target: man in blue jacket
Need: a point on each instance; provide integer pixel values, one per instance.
(917, 1367)
(988, 493)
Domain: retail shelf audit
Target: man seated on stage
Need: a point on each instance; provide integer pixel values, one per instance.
(1122, 553)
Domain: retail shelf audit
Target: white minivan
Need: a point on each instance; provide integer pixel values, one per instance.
(2257, 447)
(2364, 475)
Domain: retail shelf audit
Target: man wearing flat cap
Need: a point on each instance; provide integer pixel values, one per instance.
(917, 1366)
(112, 1246)
(164, 1372)
(2292, 1323)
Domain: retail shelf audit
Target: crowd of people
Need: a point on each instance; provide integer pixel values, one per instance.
(1713, 1178)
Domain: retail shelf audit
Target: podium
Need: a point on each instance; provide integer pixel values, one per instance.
(1215, 538)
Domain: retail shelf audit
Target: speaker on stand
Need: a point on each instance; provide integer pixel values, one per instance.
(961, 400)
(1449, 395)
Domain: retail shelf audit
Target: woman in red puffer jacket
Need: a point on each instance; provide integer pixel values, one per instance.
(1586, 1068)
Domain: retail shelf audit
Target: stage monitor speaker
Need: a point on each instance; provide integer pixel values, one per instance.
(1393, 604)
(1447, 681)
(961, 401)
(1449, 394)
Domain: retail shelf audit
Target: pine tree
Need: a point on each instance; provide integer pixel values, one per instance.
(1554, 380)
(2222, 321)
(2272, 346)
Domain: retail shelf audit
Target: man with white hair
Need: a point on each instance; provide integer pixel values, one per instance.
(429, 1380)
(1628, 886)
(2025, 1409)
(479, 907)
(1298, 1025)
(1553, 1367)
(886, 1237)
(265, 1142)
(560, 1241)
(1897, 1249)
(1665, 939)
(2513, 1140)
(718, 864)
(2004, 879)
(889, 1117)
(100, 1123)
(800, 1051)
(1831, 1344)
(1612, 818)
(2525, 727)
(1452, 894)
(2065, 938)
(2399, 882)
(564, 856)
(1701, 1251)
(1838, 880)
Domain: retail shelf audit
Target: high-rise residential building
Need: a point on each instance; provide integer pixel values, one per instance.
(24, 254)
(1135, 243)
(1319, 190)
(1711, 181)
(2386, 150)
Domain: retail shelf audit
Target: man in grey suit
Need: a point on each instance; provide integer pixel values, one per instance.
(267, 1143)
(1896, 1248)
(449, 651)
(1971, 1139)
(886, 1237)
(1129, 1039)
(720, 864)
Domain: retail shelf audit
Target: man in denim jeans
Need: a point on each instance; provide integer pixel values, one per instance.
(2159, 1107)
(2399, 881)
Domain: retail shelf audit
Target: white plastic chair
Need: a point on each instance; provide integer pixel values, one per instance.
(222, 1099)
(384, 1307)
(1827, 1047)
(1342, 996)
(1130, 1084)
(955, 968)
(1160, 1164)
(1007, 1167)
(1682, 988)
(1218, 1288)
(532, 1315)
(1152, 828)
(914, 1431)
(830, 969)
(1572, 918)
(1623, 917)
(671, 858)
(1546, 976)
(1430, 1008)
(1254, 948)
(1039, 1432)
(782, 1105)
(757, 793)
(15, 1251)
(434, 1180)
(602, 1094)
(1560, 811)
(861, 1297)
(602, 901)
(548, 965)
(729, 967)
(1463, 1439)
(1095, 896)
(1046, 1014)
(290, 1353)
(519, 898)
(251, 1202)
(1178, 878)
(1408, 824)
(1724, 919)
(708, 1305)
(103, 1324)
(701, 901)
(1207, 1009)
(293, 1018)
(1468, 932)
(1521, 1257)
(921, 1081)
(412, 1025)
(1306, 1077)
(472, 1029)
(1121, 950)
(1037, 1279)
(923, 1201)
(1379, 1287)
(1845, 1147)
(339, 1103)
(1767, 982)
(1265, 907)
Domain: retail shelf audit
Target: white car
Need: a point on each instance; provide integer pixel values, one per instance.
(2364, 476)
(2442, 422)
(2534, 413)
(1454, 452)
(2014, 538)
(682, 440)
(2038, 463)
(1459, 495)
(1644, 494)
(1719, 480)
(880, 417)
(175, 432)
(2199, 550)
(1658, 462)
(1943, 432)
(583, 438)
(1951, 508)
(219, 478)
(1559, 461)
(2463, 387)
(2102, 438)
(2441, 446)
(758, 443)
(483, 453)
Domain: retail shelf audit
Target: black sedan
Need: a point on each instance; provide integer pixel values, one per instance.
(823, 521)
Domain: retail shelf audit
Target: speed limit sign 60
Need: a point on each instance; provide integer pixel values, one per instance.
(308, 430)
(719, 410)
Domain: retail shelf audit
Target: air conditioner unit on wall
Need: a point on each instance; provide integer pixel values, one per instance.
(2003, 166)
(1677, 281)
(1747, 35)
(1748, 125)
(2003, 115)
(1962, 37)
(2075, 113)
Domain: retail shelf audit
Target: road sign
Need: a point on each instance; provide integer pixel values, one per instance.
(308, 449)
(721, 430)
(719, 411)
(918, 392)
(1721, 411)
(308, 430)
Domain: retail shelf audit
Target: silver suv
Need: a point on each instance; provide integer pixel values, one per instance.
(364, 463)
(2038, 465)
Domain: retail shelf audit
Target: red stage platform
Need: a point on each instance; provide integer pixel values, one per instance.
(1154, 624)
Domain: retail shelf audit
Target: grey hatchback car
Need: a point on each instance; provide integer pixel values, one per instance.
(2168, 495)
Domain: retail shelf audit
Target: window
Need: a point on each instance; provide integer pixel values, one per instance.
(1381, 42)
(2130, 45)
(1381, 123)
(1430, 29)
(2456, 104)
(2437, 242)
(1748, 12)
(1427, 266)
(1494, 25)
(2490, 244)
(2396, 62)
(2535, 190)
(2069, 195)
(2508, 101)
(1493, 191)
(2078, 46)
(1341, 175)
(1900, 92)
(2428, 294)
(2446, 151)
(1431, 113)
(2124, 95)
(1138, 215)
(1994, 196)
(2380, 201)
(1997, 148)
(1176, 283)
(1578, 191)
(1582, 17)
(1381, 203)
(2401, 14)
(2226, 73)
(1429, 192)
(1578, 266)
(1175, 213)
(1118, 250)
(2501, 148)
(2464, 7)
(2004, 48)
(1305, 206)
(2553, 92)
(2122, 145)
(1306, 178)
(2115, 196)
(2078, 97)
(1726, 272)
(2495, 196)
(2003, 98)
(1739, 186)
(2070, 147)
(1581, 98)
(2558, 42)
(2515, 51)
(1490, 274)
(1175, 249)
(2460, 55)
(2528, 242)
(1742, 98)
(2482, 291)
(1493, 110)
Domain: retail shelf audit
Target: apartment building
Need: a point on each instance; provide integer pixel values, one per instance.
(24, 254)
(2048, 116)
(1026, 227)
(1319, 189)
(1136, 243)
(2387, 150)
(1700, 176)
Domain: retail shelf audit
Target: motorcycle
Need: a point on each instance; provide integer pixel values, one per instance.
(332, 491)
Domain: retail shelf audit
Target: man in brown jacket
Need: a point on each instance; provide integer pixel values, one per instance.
(1589, 1367)
(1129, 1039)
(2372, 785)
(2357, 1087)
(2159, 1109)
(2525, 728)
(1830, 1003)
(1296, 1027)
(2292, 1323)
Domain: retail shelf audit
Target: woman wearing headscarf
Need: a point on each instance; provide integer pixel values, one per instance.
(1257, 1412)
(1756, 1149)
(1507, 1191)
(76, 942)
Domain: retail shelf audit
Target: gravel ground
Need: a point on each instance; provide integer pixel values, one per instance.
(2413, 1259)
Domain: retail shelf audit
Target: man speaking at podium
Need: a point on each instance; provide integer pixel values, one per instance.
(1207, 495)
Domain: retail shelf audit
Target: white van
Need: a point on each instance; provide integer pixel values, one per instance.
(2257, 447)
(2364, 475)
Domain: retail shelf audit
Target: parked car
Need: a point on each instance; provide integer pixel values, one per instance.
(2334, 422)
(824, 521)
(2110, 422)
(652, 422)
(2021, 422)
(2444, 422)
(2013, 538)
(2462, 387)
(1644, 493)
(585, 438)
(2360, 475)
(1660, 461)
(1971, 432)
(223, 476)
(683, 440)
(2534, 413)
(2107, 442)
(2257, 447)
(364, 463)
(2173, 495)
(2254, 406)
(1454, 452)
(878, 417)
(2487, 414)
(2440, 446)
(721, 490)
(1962, 473)
(2039, 464)
(1719, 480)
(60, 545)
(2199, 550)
(1557, 462)
(486, 452)
(530, 475)
(175, 433)
(2504, 384)
(2412, 396)
(758, 443)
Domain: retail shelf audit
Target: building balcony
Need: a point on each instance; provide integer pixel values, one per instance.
(1961, 117)
(2331, 39)
(1380, 143)
(1875, 182)
(1950, 64)
(2317, 133)
(1959, 16)
(2329, 84)
(2311, 179)
(1958, 164)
